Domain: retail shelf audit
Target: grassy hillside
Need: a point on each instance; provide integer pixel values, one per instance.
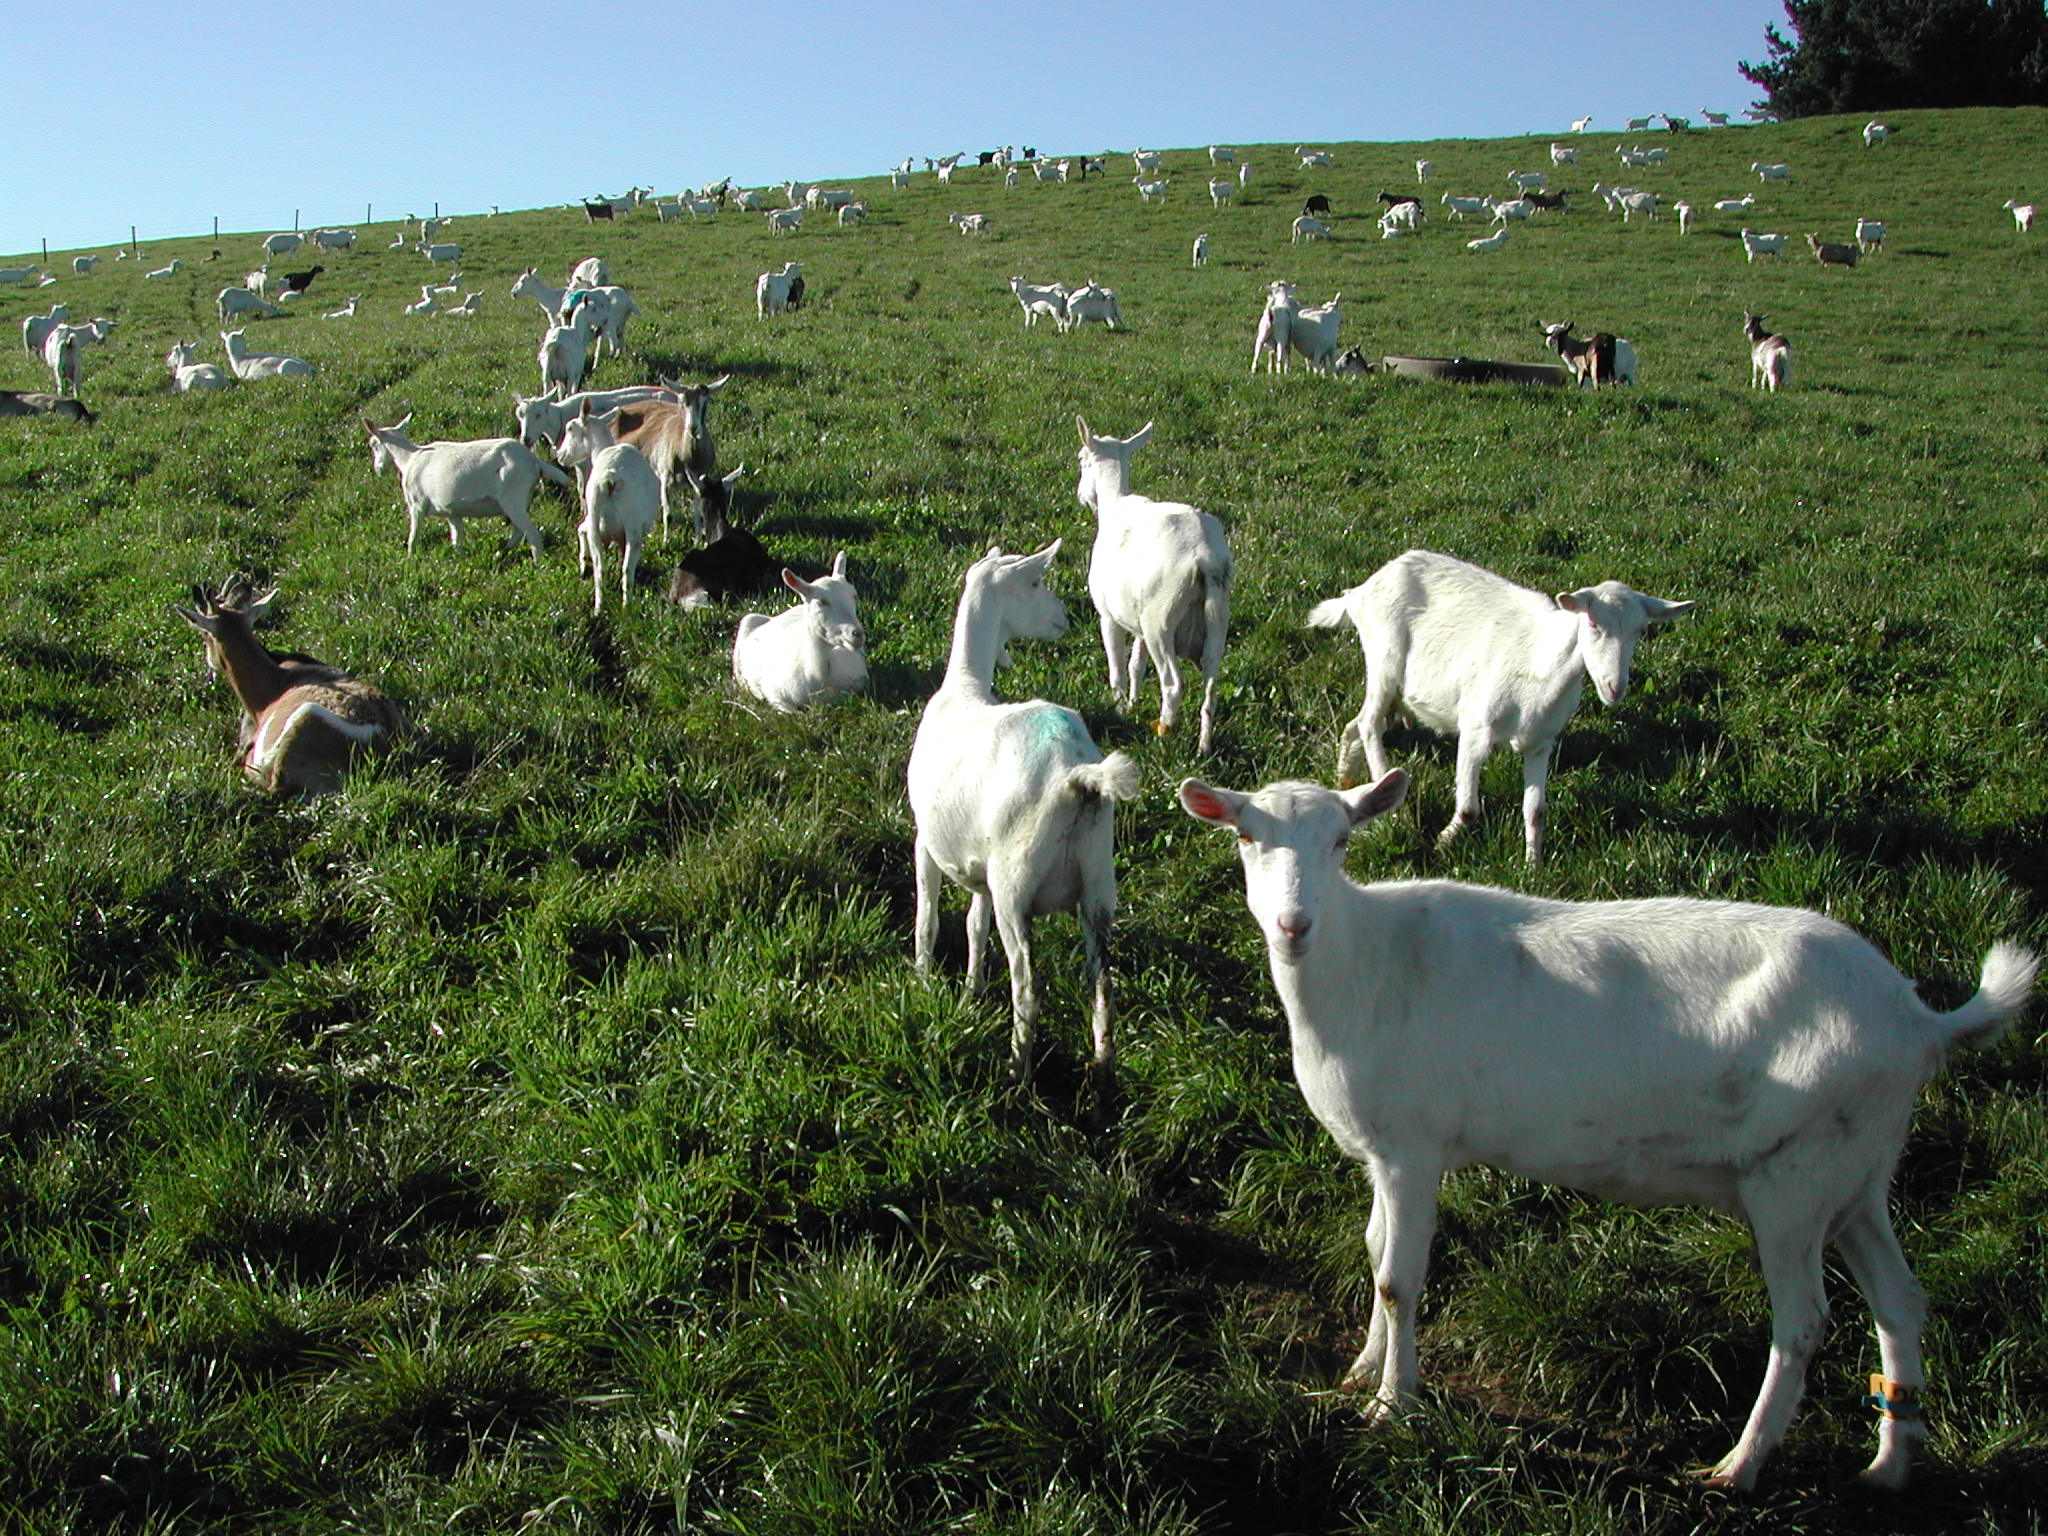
(551, 1133)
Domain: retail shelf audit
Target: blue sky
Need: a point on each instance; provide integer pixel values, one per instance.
(166, 115)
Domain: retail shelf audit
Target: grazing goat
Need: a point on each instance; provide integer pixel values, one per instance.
(1875, 134)
(489, 477)
(1315, 203)
(1761, 1061)
(1159, 577)
(1770, 356)
(2022, 214)
(1014, 801)
(1306, 228)
(1600, 356)
(18, 276)
(1092, 301)
(621, 494)
(187, 375)
(282, 245)
(1832, 253)
(808, 653)
(242, 301)
(302, 725)
(1046, 301)
(1472, 653)
(771, 290)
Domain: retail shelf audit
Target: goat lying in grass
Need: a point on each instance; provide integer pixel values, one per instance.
(19, 402)
(808, 653)
(1757, 1060)
(733, 563)
(1014, 801)
(303, 723)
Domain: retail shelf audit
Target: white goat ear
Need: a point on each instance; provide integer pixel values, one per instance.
(839, 565)
(1139, 438)
(1087, 437)
(718, 383)
(1572, 602)
(400, 424)
(735, 475)
(1204, 802)
(795, 583)
(1660, 610)
(1376, 799)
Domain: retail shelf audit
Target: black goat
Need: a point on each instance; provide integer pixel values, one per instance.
(732, 563)
(1396, 199)
(592, 212)
(299, 282)
(15, 402)
(1316, 204)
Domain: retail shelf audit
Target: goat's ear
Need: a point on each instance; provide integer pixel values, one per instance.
(733, 478)
(696, 481)
(1571, 602)
(1376, 799)
(400, 424)
(1081, 421)
(718, 383)
(1218, 807)
(795, 583)
(196, 620)
(1141, 437)
(839, 565)
(1660, 610)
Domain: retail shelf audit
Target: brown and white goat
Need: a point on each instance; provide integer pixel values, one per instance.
(302, 720)
(1830, 253)
(1770, 356)
(1600, 358)
(675, 434)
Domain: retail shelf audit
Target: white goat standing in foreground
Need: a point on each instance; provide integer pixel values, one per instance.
(622, 496)
(1471, 653)
(490, 477)
(1761, 1061)
(1014, 801)
(807, 653)
(1159, 577)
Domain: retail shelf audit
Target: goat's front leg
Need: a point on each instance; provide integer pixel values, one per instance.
(1113, 651)
(1372, 1359)
(978, 913)
(1408, 1190)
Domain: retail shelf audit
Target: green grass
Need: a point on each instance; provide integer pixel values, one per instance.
(551, 1132)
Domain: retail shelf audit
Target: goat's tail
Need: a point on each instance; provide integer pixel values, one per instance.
(1114, 778)
(1330, 613)
(554, 473)
(2002, 991)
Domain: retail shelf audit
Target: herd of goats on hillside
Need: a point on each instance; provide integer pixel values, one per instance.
(1763, 1061)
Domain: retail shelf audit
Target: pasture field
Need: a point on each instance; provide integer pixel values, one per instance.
(550, 1133)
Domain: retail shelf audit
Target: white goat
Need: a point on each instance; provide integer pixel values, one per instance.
(335, 239)
(1244, 175)
(1159, 577)
(490, 477)
(1581, 124)
(1308, 227)
(1487, 244)
(448, 252)
(1276, 325)
(1740, 204)
(162, 272)
(282, 245)
(622, 496)
(1145, 162)
(772, 290)
(18, 276)
(1221, 192)
(1201, 250)
(1684, 211)
(80, 265)
(1529, 181)
(1639, 202)
(1402, 216)
(1777, 172)
(1460, 206)
(2022, 214)
(1869, 235)
(808, 653)
(1714, 119)
(543, 417)
(1423, 168)
(1518, 209)
(1562, 154)
(1221, 156)
(1014, 801)
(1757, 1060)
(852, 214)
(187, 375)
(1755, 245)
(1875, 134)
(1150, 191)
(240, 301)
(1092, 301)
(564, 359)
(1472, 653)
(1311, 158)
(1041, 301)
(35, 329)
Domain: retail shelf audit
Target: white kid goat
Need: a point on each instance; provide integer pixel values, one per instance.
(814, 651)
(1469, 652)
(490, 477)
(1761, 1061)
(1041, 301)
(1160, 580)
(2022, 214)
(35, 329)
(187, 375)
(564, 359)
(1015, 801)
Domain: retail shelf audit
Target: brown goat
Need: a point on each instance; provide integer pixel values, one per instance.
(1829, 254)
(675, 434)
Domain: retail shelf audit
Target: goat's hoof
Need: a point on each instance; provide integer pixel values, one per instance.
(1160, 727)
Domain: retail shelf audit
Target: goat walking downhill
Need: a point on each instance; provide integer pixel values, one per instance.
(1159, 577)
(1014, 801)
(1761, 1061)
(1471, 653)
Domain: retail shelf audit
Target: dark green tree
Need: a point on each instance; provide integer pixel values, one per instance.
(1881, 55)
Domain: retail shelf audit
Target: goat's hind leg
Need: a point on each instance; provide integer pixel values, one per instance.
(1788, 1243)
(1871, 1250)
